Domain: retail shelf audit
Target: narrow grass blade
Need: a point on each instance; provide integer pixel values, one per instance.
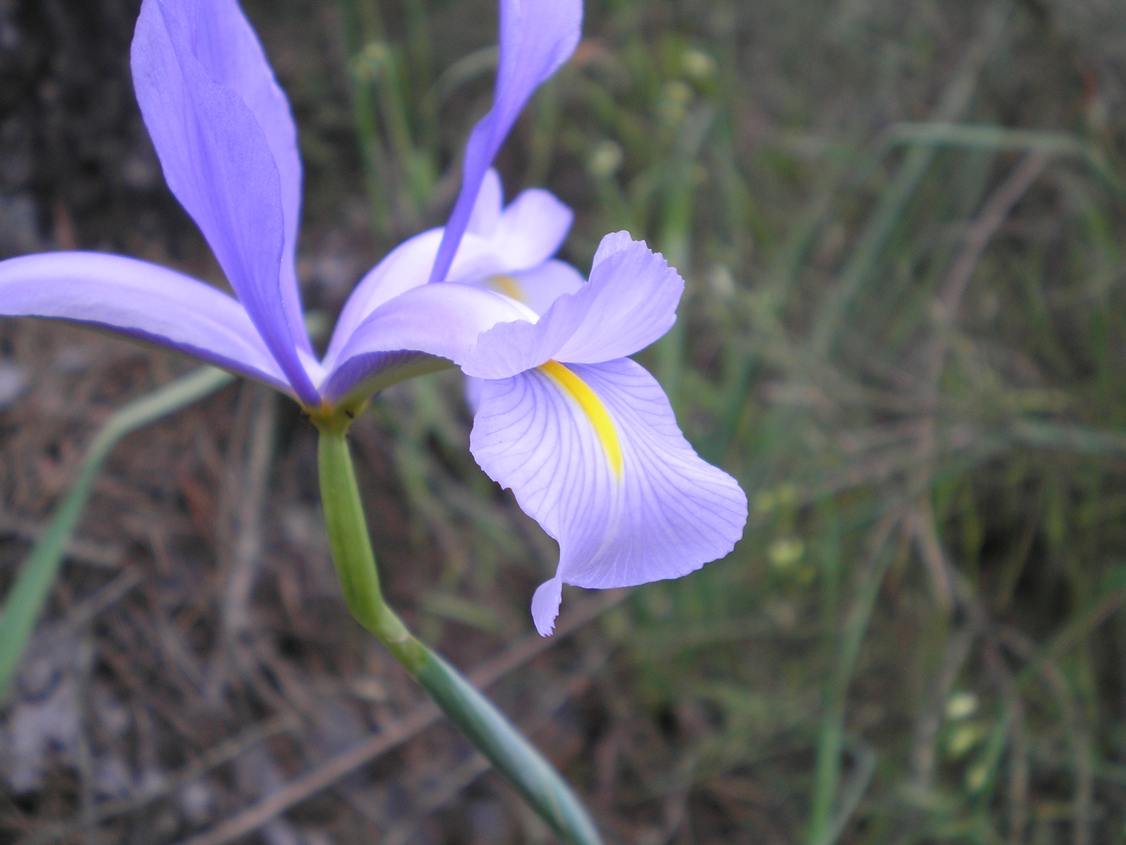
(1005, 139)
(28, 594)
(358, 23)
(823, 827)
(864, 262)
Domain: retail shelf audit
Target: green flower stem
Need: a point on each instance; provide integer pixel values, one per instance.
(352, 553)
(481, 722)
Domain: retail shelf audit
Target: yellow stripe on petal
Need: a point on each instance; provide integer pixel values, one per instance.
(592, 407)
(510, 286)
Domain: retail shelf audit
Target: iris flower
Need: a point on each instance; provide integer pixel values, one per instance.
(583, 436)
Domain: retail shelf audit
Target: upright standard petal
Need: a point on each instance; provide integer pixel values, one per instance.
(231, 54)
(405, 267)
(503, 242)
(488, 206)
(536, 37)
(593, 453)
(139, 300)
(218, 160)
(629, 303)
(528, 232)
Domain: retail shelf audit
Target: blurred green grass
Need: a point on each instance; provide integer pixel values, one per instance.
(904, 332)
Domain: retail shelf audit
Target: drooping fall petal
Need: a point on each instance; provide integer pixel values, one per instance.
(138, 300)
(594, 454)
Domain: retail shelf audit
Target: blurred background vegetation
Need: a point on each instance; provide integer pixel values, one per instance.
(904, 332)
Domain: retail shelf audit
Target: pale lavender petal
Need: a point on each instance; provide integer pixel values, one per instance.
(536, 37)
(139, 300)
(231, 54)
(405, 267)
(472, 391)
(645, 509)
(539, 287)
(488, 206)
(415, 330)
(515, 347)
(507, 243)
(219, 162)
(530, 231)
(630, 302)
(545, 605)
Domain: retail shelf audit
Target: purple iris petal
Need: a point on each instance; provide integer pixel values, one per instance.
(529, 231)
(539, 287)
(403, 268)
(586, 440)
(583, 436)
(227, 47)
(488, 205)
(425, 323)
(525, 232)
(650, 511)
(504, 241)
(139, 300)
(629, 302)
(536, 37)
(196, 66)
(227, 144)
